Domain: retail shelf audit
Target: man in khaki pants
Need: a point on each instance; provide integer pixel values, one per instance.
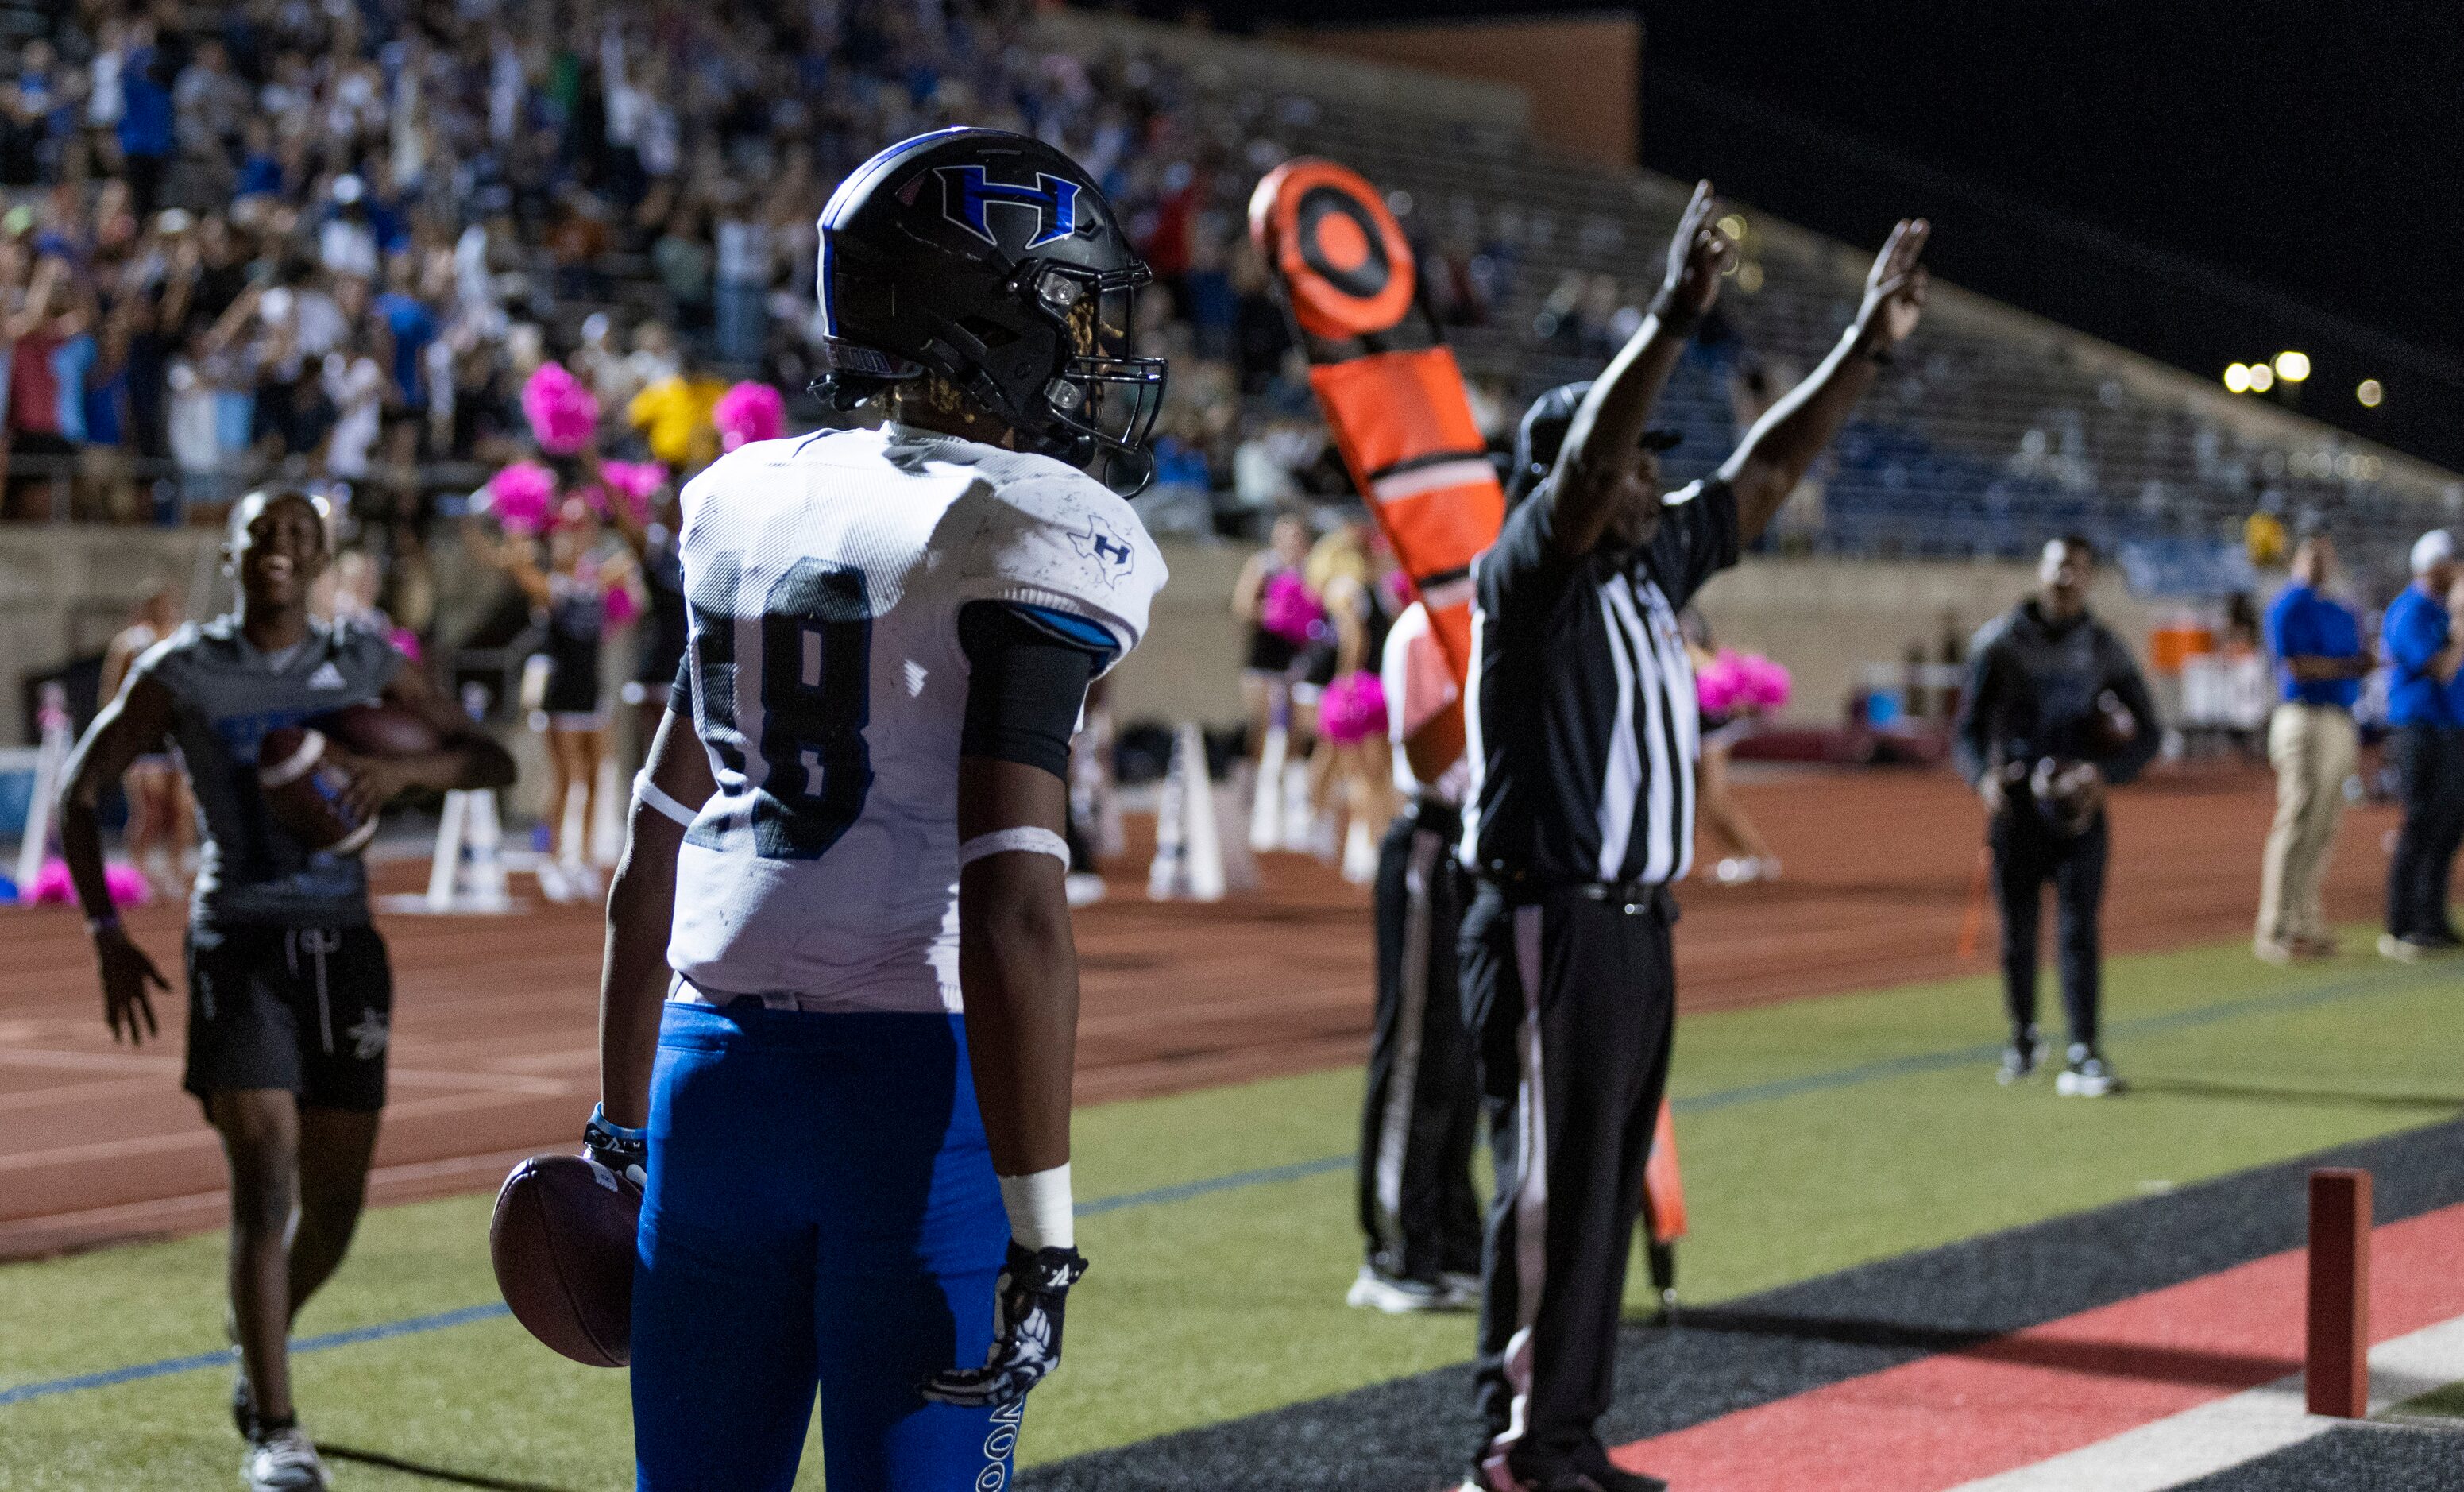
(2316, 641)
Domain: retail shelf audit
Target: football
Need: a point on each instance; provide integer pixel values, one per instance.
(378, 730)
(303, 792)
(562, 1242)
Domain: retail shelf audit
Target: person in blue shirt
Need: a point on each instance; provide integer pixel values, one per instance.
(2316, 641)
(2424, 646)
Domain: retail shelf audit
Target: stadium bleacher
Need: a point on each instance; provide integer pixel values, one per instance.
(2005, 432)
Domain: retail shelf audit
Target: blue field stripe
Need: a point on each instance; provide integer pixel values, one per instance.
(198, 1361)
(1299, 1169)
(2279, 1003)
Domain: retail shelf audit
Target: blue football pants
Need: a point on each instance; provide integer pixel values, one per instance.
(820, 1213)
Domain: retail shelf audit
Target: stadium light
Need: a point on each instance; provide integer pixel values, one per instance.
(2261, 377)
(2238, 379)
(2293, 367)
(2369, 393)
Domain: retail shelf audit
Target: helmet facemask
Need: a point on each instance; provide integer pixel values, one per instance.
(1102, 403)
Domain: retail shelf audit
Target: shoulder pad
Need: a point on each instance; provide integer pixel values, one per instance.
(1062, 540)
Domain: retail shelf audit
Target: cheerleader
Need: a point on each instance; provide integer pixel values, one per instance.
(162, 817)
(1352, 766)
(1272, 600)
(643, 509)
(586, 586)
(1733, 691)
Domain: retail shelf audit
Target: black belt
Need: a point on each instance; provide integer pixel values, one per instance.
(1521, 889)
(1435, 815)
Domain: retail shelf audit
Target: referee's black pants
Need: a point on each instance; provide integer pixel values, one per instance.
(2429, 767)
(1417, 1209)
(2027, 853)
(1572, 1001)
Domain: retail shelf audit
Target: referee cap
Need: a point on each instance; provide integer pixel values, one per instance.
(2433, 549)
(1542, 435)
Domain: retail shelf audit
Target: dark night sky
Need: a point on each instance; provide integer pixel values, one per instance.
(2314, 148)
(2308, 155)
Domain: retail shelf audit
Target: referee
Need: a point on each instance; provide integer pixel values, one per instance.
(1583, 740)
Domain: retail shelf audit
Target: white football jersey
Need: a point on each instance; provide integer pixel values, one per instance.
(825, 576)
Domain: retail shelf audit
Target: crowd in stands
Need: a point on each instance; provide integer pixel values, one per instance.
(265, 237)
(334, 240)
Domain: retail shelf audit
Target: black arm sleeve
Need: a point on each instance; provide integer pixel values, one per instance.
(1027, 678)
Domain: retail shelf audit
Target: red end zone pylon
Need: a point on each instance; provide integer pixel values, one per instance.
(1393, 398)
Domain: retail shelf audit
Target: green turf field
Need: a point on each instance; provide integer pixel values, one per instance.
(1813, 1135)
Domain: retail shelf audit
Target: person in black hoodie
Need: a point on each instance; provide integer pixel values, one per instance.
(2054, 712)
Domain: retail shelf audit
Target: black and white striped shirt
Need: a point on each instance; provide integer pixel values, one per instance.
(1580, 706)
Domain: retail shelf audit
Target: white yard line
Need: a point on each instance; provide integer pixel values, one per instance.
(2228, 1431)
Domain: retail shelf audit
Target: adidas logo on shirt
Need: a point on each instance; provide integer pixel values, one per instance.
(326, 676)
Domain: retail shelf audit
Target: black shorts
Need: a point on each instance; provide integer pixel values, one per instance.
(307, 1009)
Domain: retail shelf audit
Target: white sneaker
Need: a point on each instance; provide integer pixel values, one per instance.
(552, 884)
(1399, 1297)
(2087, 1076)
(282, 1461)
(1083, 888)
(1744, 869)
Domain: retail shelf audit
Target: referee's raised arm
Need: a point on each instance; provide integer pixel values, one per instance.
(1597, 458)
(1772, 458)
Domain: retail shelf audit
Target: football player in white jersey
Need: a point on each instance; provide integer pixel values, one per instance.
(850, 1098)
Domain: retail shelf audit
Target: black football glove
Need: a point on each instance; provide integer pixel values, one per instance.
(625, 1152)
(1027, 1331)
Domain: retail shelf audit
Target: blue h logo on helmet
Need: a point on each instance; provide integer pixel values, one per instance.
(966, 193)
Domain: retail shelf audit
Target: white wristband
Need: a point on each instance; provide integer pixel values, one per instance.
(651, 796)
(1040, 1215)
(1032, 840)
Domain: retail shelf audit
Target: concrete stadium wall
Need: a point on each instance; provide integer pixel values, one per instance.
(1586, 68)
(1825, 617)
(65, 590)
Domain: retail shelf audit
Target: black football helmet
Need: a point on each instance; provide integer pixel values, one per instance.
(1542, 433)
(992, 260)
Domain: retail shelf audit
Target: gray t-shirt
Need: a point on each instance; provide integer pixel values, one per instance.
(226, 697)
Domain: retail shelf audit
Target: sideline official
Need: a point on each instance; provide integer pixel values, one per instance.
(2054, 712)
(2425, 646)
(1583, 741)
(1421, 1114)
(2312, 745)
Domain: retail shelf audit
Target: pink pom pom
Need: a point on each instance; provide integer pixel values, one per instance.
(620, 607)
(1719, 684)
(563, 415)
(748, 413)
(523, 496)
(636, 482)
(406, 642)
(128, 884)
(1288, 610)
(54, 887)
(1766, 682)
(1353, 709)
(51, 885)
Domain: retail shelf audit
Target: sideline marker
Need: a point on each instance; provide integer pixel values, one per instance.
(2336, 1366)
(51, 760)
(1266, 791)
